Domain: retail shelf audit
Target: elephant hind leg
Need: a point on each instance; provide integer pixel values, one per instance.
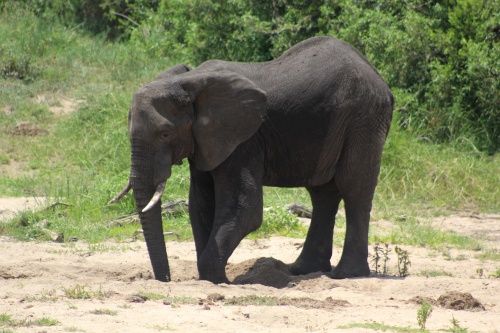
(317, 250)
(356, 179)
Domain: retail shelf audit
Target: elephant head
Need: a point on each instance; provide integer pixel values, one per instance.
(202, 116)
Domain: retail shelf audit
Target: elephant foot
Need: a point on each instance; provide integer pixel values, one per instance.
(344, 271)
(303, 267)
(214, 277)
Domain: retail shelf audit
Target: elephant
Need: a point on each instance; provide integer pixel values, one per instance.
(316, 117)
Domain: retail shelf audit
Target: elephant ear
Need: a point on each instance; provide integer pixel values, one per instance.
(229, 109)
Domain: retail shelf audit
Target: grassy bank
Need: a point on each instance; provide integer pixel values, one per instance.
(81, 157)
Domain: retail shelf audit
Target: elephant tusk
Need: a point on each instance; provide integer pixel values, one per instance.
(120, 195)
(154, 200)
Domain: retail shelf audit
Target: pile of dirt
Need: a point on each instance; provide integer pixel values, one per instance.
(454, 300)
(28, 129)
(266, 271)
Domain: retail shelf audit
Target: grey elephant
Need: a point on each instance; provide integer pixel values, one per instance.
(316, 117)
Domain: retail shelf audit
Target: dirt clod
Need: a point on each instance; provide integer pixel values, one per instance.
(28, 129)
(454, 300)
(459, 301)
(266, 271)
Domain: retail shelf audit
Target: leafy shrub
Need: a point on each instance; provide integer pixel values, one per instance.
(441, 58)
(17, 67)
(113, 18)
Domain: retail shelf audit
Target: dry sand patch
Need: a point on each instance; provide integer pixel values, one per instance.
(35, 278)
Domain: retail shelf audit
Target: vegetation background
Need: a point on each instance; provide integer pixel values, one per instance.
(440, 58)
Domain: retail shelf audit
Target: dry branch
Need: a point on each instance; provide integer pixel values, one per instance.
(169, 208)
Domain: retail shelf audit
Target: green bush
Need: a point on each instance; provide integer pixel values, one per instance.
(113, 18)
(195, 31)
(441, 58)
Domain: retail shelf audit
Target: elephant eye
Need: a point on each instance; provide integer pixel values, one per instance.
(165, 136)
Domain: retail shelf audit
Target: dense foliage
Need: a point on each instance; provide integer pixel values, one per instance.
(440, 57)
(54, 59)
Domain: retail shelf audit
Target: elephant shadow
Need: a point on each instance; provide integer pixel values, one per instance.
(266, 271)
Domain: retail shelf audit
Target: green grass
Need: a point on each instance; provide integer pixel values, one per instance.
(496, 274)
(434, 273)
(107, 312)
(168, 299)
(77, 292)
(381, 327)
(489, 254)
(151, 296)
(252, 300)
(7, 320)
(411, 231)
(84, 159)
(43, 298)
(417, 176)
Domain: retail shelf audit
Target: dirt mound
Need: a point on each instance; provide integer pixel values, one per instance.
(456, 300)
(28, 129)
(266, 271)
(314, 282)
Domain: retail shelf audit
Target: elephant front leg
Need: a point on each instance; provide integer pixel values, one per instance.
(212, 262)
(201, 207)
(238, 211)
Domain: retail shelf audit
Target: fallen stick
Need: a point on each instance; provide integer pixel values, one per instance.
(169, 208)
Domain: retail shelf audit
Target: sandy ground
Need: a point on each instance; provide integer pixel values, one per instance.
(37, 279)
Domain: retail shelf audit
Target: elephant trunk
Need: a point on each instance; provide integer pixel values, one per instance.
(148, 174)
(153, 233)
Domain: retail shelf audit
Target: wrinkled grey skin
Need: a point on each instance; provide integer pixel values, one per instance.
(317, 117)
